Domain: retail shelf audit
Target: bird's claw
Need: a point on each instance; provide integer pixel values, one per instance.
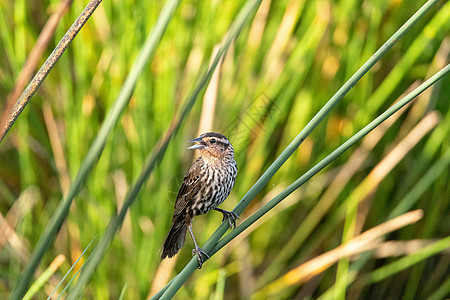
(231, 217)
(199, 252)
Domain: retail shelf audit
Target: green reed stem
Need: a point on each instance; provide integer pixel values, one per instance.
(327, 160)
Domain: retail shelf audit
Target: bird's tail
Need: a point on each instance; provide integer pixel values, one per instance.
(175, 239)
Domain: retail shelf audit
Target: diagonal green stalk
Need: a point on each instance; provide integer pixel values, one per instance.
(70, 270)
(72, 279)
(156, 156)
(171, 288)
(55, 223)
(327, 160)
(123, 292)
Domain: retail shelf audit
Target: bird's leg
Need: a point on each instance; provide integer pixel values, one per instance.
(230, 216)
(197, 249)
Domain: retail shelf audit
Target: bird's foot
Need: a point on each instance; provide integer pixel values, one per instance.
(230, 216)
(199, 252)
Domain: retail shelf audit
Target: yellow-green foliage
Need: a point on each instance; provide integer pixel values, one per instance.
(285, 65)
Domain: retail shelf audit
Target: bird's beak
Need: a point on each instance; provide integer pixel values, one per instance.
(199, 146)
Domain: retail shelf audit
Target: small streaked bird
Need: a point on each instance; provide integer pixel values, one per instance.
(207, 183)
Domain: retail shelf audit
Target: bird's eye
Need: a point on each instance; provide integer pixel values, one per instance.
(212, 141)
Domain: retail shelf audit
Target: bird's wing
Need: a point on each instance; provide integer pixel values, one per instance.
(190, 187)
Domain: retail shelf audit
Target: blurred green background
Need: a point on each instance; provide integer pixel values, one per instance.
(285, 65)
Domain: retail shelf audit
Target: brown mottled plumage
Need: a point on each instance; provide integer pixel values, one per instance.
(207, 183)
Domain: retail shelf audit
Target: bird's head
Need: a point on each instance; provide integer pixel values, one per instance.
(212, 144)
